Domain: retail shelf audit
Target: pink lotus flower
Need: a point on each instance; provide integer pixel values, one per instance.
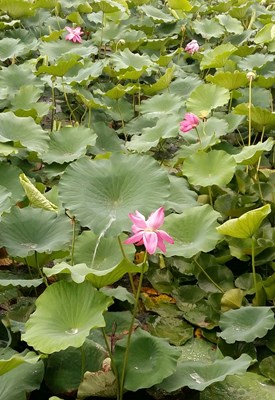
(190, 121)
(74, 34)
(147, 231)
(192, 47)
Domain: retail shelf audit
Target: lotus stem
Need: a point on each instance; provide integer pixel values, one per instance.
(73, 240)
(110, 354)
(249, 110)
(254, 269)
(209, 277)
(126, 354)
(129, 273)
(210, 196)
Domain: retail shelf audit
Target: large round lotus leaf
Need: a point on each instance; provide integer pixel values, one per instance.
(101, 193)
(151, 359)
(267, 367)
(198, 375)
(246, 324)
(10, 180)
(5, 199)
(247, 386)
(24, 379)
(193, 230)
(246, 225)
(8, 364)
(24, 231)
(65, 313)
(206, 169)
(68, 144)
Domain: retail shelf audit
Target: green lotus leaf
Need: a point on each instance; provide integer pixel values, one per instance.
(208, 28)
(249, 155)
(62, 66)
(164, 103)
(266, 34)
(24, 130)
(246, 225)
(193, 230)
(232, 299)
(205, 169)
(65, 313)
(267, 367)
(246, 324)
(198, 375)
(180, 5)
(10, 180)
(10, 47)
(254, 61)
(205, 98)
(7, 365)
(64, 368)
(231, 24)
(101, 253)
(98, 277)
(10, 279)
(162, 83)
(44, 4)
(5, 200)
(166, 127)
(7, 149)
(24, 231)
(105, 191)
(181, 196)
(68, 144)
(26, 98)
(84, 72)
(109, 6)
(119, 293)
(260, 117)
(57, 49)
(17, 383)
(143, 371)
(16, 76)
(242, 387)
(36, 198)
(173, 329)
(157, 15)
(127, 61)
(99, 384)
(16, 8)
(229, 80)
(217, 57)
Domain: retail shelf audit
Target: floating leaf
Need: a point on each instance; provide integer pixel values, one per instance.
(80, 307)
(24, 130)
(266, 34)
(24, 231)
(208, 28)
(158, 16)
(204, 169)
(143, 371)
(62, 66)
(193, 230)
(35, 197)
(260, 117)
(242, 387)
(229, 80)
(246, 324)
(246, 225)
(198, 375)
(217, 57)
(113, 188)
(205, 98)
(249, 155)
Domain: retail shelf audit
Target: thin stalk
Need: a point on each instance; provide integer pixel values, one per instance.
(122, 121)
(249, 111)
(68, 103)
(197, 132)
(209, 277)
(129, 273)
(253, 267)
(39, 269)
(260, 158)
(89, 117)
(126, 354)
(83, 361)
(73, 240)
(53, 104)
(210, 196)
(102, 30)
(109, 350)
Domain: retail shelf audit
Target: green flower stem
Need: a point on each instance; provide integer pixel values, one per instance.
(198, 135)
(39, 269)
(83, 361)
(109, 350)
(253, 267)
(53, 107)
(210, 196)
(68, 103)
(126, 354)
(249, 110)
(129, 273)
(209, 277)
(73, 240)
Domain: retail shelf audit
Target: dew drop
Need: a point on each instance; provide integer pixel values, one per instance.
(197, 378)
(72, 331)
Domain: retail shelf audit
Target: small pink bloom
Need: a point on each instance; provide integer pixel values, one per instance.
(192, 47)
(147, 232)
(74, 34)
(190, 121)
